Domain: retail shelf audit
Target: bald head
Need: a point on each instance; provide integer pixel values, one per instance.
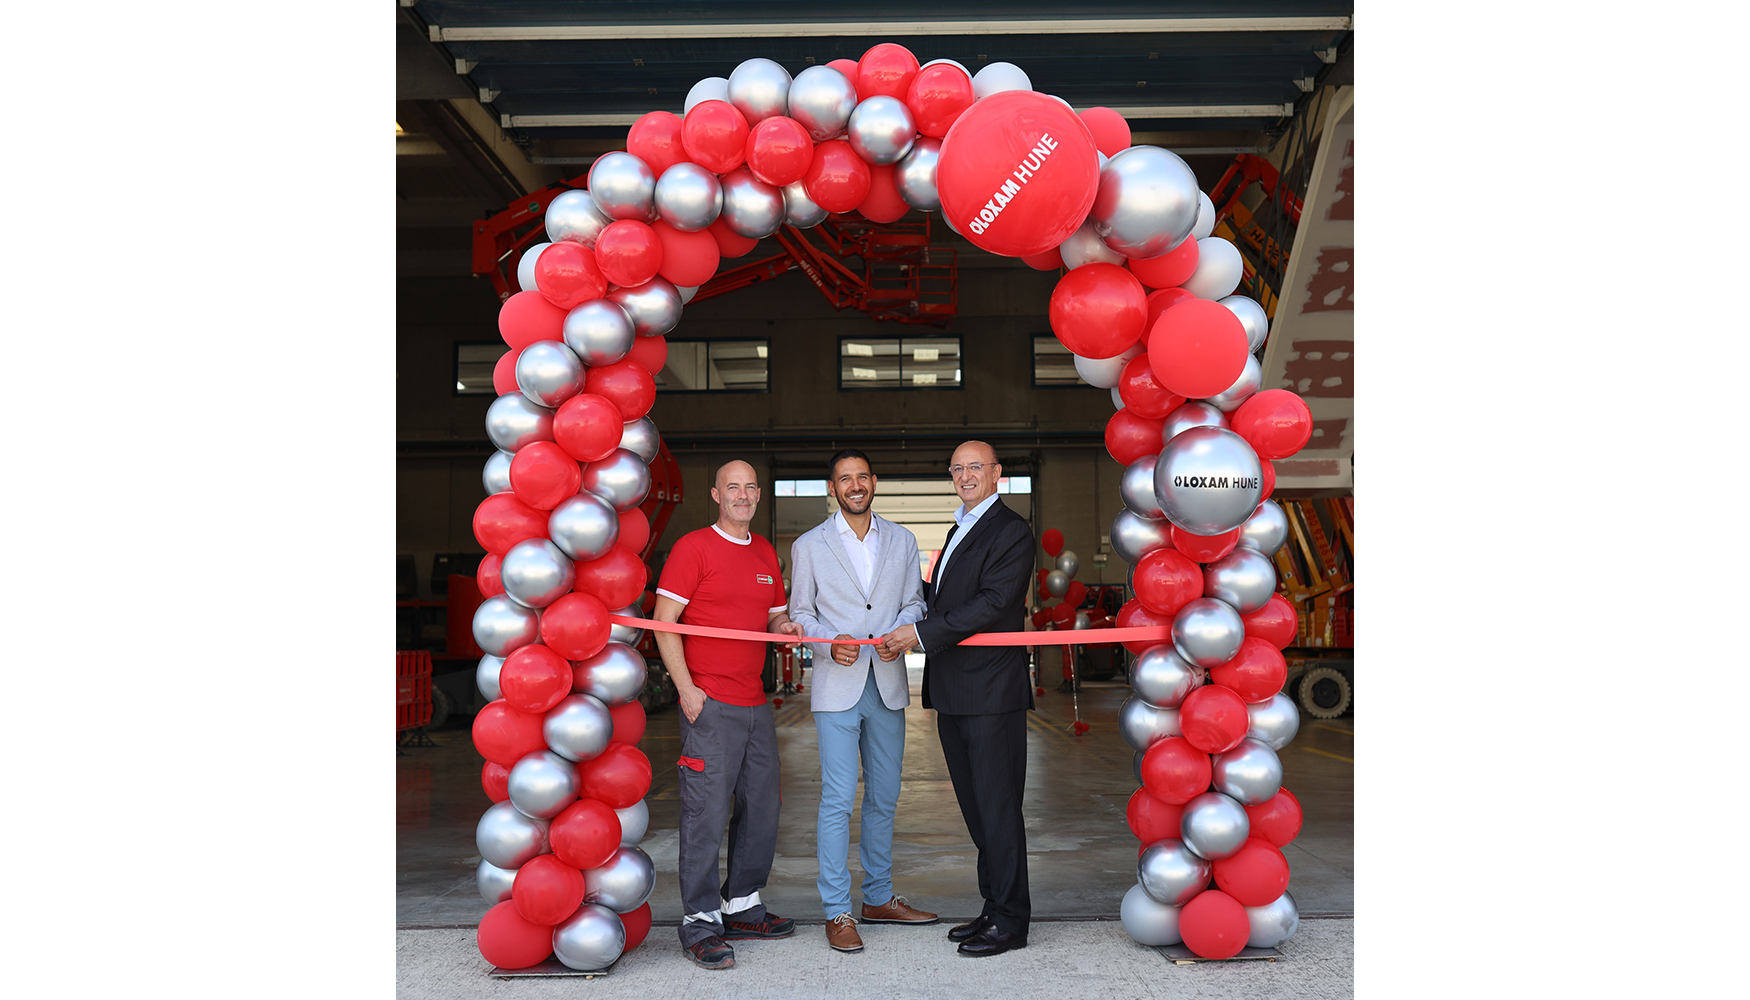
(736, 469)
(974, 471)
(736, 490)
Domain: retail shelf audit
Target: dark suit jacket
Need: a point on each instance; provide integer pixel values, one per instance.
(983, 588)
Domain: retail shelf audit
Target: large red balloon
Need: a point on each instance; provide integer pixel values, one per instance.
(1129, 437)
(1174, 771)
(619, 777)
(650, 352)
(1204, 548)
(1052, 539)
(504, 735)
(534, 678)
(487, 578)
(1134, 615)
(886, 69)
(688, 259)
(616, 578)
(883, 204)
(1213, 719)
(1166, 581)
(1275, 422)
(546, 890)
(1214, 925)
(1017, 173)
(848, 67)
(1257, 874)
(542, 474)
(1278, 820)
(585, 835)
(575, 626)
(938, 96)
(729, 242)
(527, 317)
(588, 427)
(1049, 260)
(495, 781)
(1276, 622)
(1151, 819)
(1063, 613)
(634, 532)
(1159, 301)
(508, 941)
(628, 252)
(1198, 348)
(714, 136)
(1097, 311)
(655, 138)
(1110, 130)
(1075, 594)
(1255, 673)
(625, 383)
(629, 721)
(502, 520)
(637, 924)
(837, 178)
(1170, 269)
(504, 372)
(568, 274)
(1142, 393)
(779, 151)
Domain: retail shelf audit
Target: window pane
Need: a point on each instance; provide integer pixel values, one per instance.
(715, 365)
(899, 363)
(474, 364)
(1053, 364)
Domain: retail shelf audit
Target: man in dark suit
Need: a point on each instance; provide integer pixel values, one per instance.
(981, 694)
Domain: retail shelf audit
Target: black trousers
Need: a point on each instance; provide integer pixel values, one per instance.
(987, 761)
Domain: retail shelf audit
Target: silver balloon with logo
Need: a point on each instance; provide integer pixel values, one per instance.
(1142, 725)
(881, 130)
(759, 88)
(598, 332)
(1272, 923)
(623, 187)
(508, 839)
(1134, 536)
(589, 940)
(1147, 202)
(625, 633)
(579, 728)
(915, 176)
(615, 675)
(1251, 773)
(584, 527)
(1207, 632)
(493, 882)
(535, 573)
(622, 479)
(1163, 678)
(574, 216)
(1069, 563)
(623, 883)
(1250, 380)
(641, 438)
(1193, 413)
(688, 197)
(496, 476)
(1273, 722)
(711, 88)
(1208, 480)
(1171, 873)
(548, 373)
(1136, 487)
(486, 676)
(1057, 583)
(1084, 246)
(655, 306)
(542, 784)
(1266, 530)
(751, 207)
(1149, 923)
(822, 99)
(1214, 826)
(799, 209)
(513, 421)
(634, 823)
(1243, 579)
(502, 626)
(1252, 317)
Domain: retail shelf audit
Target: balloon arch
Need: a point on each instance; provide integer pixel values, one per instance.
(1145, 303)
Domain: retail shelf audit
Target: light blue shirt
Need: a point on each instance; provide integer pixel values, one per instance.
(965, 519)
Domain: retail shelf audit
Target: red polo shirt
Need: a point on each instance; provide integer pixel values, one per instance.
(725, 582)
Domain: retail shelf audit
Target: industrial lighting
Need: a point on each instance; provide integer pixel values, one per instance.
(859, 350)
(398, 129)
(761, 349)
(868, 373)
(925, 353)
(460, 387)
(923, 378)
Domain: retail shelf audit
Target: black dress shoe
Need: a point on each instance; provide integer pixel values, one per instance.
(969, 930)
(992, 941)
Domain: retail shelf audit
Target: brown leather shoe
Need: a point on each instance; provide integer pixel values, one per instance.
(896, 911)
(841, 933)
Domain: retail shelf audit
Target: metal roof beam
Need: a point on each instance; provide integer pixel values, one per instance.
(1131, 113)
(825, 29)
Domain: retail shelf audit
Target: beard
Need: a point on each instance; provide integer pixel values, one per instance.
(857, 507)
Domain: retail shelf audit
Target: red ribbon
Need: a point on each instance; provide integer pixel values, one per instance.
(1147, 633)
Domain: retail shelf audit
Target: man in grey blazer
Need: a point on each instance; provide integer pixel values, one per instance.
(856, 576)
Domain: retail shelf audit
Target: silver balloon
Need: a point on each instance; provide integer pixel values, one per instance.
(711, 88)
(1171, 873)
(507, 839)
(1137, 488)
(1252, 317)
(1205, 217)
(881, 130)
(486, 676)
(915, 176)
(640, 438)
(502, 626)
(1134, 537)
(626, 633)
(1195, 413)
(542, 784)
(535, 573)
(622, 479)
(951, 62)
(821, 100)
(493, 882)
(1142, 725)
(1104, 373)
(687, 292)
(1161, 677)
(589, 940)
(1082, 620)
(996, 77)
(623, 186)
(1273, 923)
(1147, 202)
(1274, 722)
(1251, 379)
(1084, 246)
(579, 728)
(615, 675)
(1243, 578)
(1214, 826)
(688, 197)
(548, 373)
(1069, 562)
(799, 209)
(760, 89)
(496, 476)
(1148, 922)
(1208, 480)
(1266, 530)
(655, 306)
(751, 207)
(584, 527)
(573, 216)
(512, 421)
(623, 883)
(525, 266)
(1207, 632)
(1250, 774)
(598, 332)
(1057, 583)
(1136, 765)
(634, 823)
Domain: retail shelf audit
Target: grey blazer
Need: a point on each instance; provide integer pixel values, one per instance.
(827, 599)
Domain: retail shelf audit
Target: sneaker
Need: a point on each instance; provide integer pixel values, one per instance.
(711, 953)
(770, 926)
(896, 911)
(841, 933)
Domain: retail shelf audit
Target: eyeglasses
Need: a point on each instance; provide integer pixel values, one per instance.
(975, 468)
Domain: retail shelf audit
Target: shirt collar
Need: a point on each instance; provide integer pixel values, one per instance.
(840, 525)
(729, 537)
(965, 518)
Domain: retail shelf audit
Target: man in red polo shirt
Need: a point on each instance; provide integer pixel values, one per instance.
(725, 576)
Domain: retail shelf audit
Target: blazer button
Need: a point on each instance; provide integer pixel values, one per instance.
(868, 607)
(871, 637)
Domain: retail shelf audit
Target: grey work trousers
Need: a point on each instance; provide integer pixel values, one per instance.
(728, 774)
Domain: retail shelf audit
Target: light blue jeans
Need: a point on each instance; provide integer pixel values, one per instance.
(876, 733)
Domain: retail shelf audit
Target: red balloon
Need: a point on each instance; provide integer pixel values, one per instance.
(1052, 539)
(502, 520)
(1110, 130)
(1097, 311)
(1214, 925)
(1278, 820)
(634, 532)
(1198, 348)
(1170, 269)
(1203, 548)
(1174, 771)
(714, 136)
(848, 67)
(1275, 422)
(1134, 615)
(1063, 614)
(504, 372)
(655, 138)
(837, 179)
(628, 252)
(1142, 393)
(567, 274)
(1213, 719)
(1033, 155)
(575, 627)
(1257, 874)
(616, 578)
(1043, 615)
(886, 69)
(1255, 673)
(1129, 437)
(1276, 622)
(729, 242)
(534, 679)
(585, 835)
(1050, 260)
(542, 474)
(1151, 819)
(588, 427)
(778, 151)
(504, 735)
(937, 96)
(527, 317)
(625, 383)
(495, 780)
(883, 204)
(1159, 301)
(688, 259)
(1269, 476)
(629, 722)
(546, 890)
(1077, 592)
(508, 941)
(619, 777)
(649, 352)
(1166, 581)
(637, 924)
(486, 578)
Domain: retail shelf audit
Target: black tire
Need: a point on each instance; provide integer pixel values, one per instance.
(1325, 693)
(441, 706)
